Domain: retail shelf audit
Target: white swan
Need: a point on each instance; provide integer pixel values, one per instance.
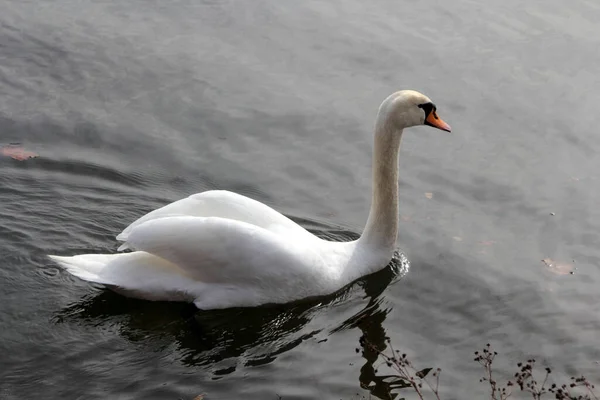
(220, 249)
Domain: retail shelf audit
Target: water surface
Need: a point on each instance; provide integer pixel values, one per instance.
(136, 104)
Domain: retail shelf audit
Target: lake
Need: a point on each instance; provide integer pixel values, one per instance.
(132, 105)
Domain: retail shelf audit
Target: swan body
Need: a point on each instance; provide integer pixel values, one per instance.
(220, 249)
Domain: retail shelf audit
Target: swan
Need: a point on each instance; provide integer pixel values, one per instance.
(219, 249)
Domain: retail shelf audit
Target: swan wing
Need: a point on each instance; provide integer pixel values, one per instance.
(223, 204)
(226, 251)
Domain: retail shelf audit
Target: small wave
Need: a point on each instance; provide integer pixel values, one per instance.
(87, 169)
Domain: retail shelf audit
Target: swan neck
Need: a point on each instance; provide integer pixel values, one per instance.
(381, 230)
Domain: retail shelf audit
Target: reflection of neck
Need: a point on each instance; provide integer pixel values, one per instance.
(373, 341)
(381, 229)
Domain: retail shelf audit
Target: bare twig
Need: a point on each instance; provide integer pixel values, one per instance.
(410, 377)
(407, 374)
(486, 358)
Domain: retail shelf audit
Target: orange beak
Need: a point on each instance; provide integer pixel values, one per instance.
(435, 121)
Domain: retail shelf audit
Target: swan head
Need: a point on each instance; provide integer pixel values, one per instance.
(408, 108)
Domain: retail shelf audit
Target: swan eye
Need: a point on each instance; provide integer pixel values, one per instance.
(428, 108)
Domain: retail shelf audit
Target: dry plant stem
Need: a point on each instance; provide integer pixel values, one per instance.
(410, 377)
(406, 371)
(589, 388)
(437, 382)
(563, 392)
(403, 373)
(486, 358)
(488, 368)
(413, 382)
(404, 365)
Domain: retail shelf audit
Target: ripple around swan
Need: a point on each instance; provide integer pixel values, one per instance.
(221, 340)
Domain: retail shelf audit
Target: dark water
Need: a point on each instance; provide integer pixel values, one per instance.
(135, 104)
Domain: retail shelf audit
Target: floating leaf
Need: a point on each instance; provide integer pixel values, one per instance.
(199, 397)
(559, 268)
(17, 152)
(429, 195)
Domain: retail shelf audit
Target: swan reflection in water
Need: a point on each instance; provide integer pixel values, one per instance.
(221, 341)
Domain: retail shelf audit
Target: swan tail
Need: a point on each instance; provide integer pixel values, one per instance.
(137, 274)
(87, 267)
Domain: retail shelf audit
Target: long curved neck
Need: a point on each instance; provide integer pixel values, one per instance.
(381, 230)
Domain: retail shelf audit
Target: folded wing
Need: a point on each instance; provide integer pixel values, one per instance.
(220, 250)
(227, 205)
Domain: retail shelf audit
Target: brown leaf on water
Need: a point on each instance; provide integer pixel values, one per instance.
(429, 195)
(559, 268)
(199, 397)
(17, 152)
(547, 261)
